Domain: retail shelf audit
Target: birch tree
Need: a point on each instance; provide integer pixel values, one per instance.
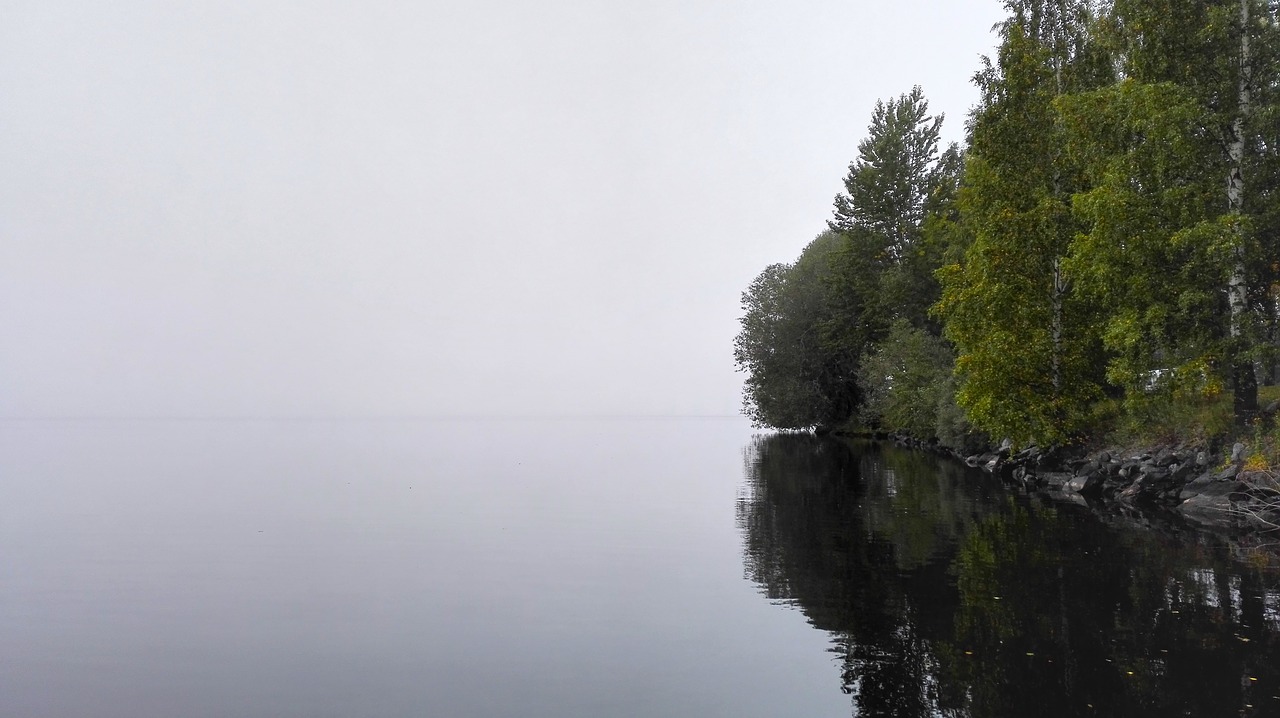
(1027, 354)
(1179, 261)
(1244, 380)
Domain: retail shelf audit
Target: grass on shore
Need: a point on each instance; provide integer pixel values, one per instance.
(1197, 421)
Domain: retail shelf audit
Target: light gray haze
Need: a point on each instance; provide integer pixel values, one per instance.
(325, 208)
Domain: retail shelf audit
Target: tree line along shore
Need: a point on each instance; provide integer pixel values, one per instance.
(1097, 264)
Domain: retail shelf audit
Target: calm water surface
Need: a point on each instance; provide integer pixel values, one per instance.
(946, 595)
(587, 568)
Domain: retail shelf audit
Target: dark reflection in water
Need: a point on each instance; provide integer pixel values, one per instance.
(946, 595)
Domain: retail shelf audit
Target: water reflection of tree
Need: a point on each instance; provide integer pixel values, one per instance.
(946, 597)
(855, 556)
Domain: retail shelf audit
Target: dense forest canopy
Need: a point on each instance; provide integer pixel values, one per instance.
(1105, 240)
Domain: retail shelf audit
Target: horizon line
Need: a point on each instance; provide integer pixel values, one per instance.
(358, 417)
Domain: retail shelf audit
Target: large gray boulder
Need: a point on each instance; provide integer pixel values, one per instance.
(1212, 507)
(1054, 479)
(1088, 479)
(1196, 487)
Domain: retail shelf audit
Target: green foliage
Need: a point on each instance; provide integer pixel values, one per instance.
(1161, 242)
(795, 379)
(953, 426)
(904, 381)
(900, 194)
(775, 393)
(1150, 249)
(890, 181)
(806, 326)
(1027, 349)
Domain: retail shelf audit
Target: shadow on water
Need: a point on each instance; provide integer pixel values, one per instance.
(946, 595)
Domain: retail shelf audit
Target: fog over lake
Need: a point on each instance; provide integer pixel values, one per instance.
(389, 208)
(388, 568)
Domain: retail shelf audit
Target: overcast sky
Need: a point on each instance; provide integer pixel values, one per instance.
(424, 208)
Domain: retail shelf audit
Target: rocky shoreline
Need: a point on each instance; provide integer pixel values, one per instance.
(1186, 484)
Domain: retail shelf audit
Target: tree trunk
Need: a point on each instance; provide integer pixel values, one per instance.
(1059, 293)
(1244, 379)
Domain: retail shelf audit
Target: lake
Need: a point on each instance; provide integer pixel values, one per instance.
(615, 567)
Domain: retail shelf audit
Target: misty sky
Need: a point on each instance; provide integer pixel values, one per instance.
(273, 208)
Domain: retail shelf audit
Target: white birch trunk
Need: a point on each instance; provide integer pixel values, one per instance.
(1235, 176)
(1059, 289)
(1059, 293)
(1244, 379)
